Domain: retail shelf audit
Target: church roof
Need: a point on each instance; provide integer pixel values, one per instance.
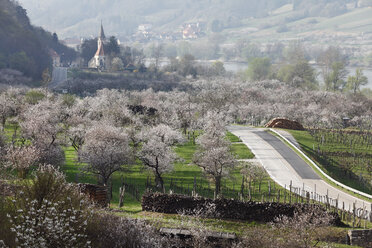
(53, 53)
(100, 51)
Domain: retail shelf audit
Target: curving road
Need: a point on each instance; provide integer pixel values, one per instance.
(285, 167)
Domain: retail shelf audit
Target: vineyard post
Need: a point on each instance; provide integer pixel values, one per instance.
(194, 187)
(354, 213)
(285, 193)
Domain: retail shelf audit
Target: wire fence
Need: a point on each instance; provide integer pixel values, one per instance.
(355, 216)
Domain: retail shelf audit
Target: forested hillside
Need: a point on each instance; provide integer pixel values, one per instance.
(24, 47)
(122, 17)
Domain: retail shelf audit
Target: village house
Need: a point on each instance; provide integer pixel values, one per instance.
(55, 58)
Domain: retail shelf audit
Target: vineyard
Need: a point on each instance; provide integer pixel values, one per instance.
(346, 155)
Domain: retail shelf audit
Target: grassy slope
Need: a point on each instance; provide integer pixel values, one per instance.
(355, 21)
(306, 142)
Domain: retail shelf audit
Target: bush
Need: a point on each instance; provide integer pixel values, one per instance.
(57, 224)
(48, 183)
(109, 231)
(34, 96)
(46, 211)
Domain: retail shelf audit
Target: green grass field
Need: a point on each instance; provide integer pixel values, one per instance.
(183, 176)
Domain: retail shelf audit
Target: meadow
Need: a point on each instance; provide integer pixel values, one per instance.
(181, 180)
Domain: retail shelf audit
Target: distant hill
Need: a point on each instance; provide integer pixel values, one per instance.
(24, 47)
(122, 17)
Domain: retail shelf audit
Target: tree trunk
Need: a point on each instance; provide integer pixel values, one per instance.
(218, 186)
(159, 182)
(22, 173)
(3, 120)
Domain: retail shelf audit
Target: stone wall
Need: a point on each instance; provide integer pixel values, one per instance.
(97, 194)
(228, 208)
(361, 238)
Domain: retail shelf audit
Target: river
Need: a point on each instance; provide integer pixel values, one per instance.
(236, 66)
(240, 66)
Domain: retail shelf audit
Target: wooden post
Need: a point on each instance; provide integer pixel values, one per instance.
(269, 188)
(194, 187)
(303, 190)
(285, 193)
(354, 213)
(242, 188)
(343, 211)
(121, 193)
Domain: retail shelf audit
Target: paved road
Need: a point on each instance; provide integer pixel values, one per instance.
(59, 75)
(285, 166)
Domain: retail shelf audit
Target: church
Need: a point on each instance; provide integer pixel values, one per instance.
(99, 59)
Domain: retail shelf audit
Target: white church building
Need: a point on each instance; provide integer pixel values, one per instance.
(99, 59)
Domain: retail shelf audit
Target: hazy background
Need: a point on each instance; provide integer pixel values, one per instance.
(122, 17)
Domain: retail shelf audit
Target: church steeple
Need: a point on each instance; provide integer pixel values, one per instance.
(102, 33)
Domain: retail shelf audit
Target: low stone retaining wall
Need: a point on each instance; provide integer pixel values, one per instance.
(96, 193)
(361, 238)
(228, 208)
(7, 189)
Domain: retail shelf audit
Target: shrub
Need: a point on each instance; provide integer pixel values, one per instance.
(46, 211)
(57, 224)
(48, 183)
(109, 231)
(34, 96)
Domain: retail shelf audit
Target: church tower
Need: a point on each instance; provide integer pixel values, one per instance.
(99, 59)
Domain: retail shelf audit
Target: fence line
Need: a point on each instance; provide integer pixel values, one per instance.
(357, 217)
